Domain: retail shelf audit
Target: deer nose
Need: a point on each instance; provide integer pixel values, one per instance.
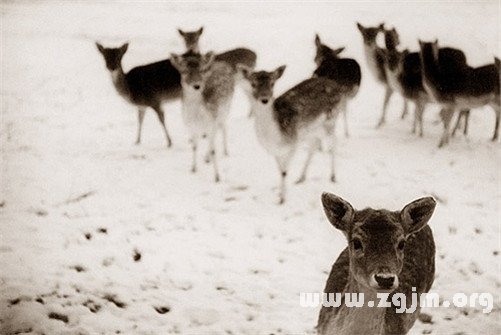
(196, 86)
(386, 280)
(264, 101)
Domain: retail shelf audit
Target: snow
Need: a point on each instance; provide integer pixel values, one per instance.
(99, 236)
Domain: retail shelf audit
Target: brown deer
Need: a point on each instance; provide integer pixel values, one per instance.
(143, 86)
(388, 252)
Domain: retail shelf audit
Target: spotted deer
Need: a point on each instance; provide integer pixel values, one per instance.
(232, 57)
(403, 73)
(208, 87)
(143, 86)
(344, 71)
(374, 56)
(388, 252)
(305, 113)
(464, 88)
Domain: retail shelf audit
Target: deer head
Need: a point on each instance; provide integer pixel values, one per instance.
(262, 82)
(377, 238)
(369, 34)
(194, 68)
(113, 56)
(324, 52)
(191, 38)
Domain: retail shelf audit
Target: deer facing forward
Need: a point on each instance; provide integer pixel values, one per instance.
(208, 87)
(388, 252)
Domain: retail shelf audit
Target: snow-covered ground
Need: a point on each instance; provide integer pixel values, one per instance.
(98, 236)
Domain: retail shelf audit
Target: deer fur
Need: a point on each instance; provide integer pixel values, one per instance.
(374, 56)
(143, 86)
(208, 87)
(403, 72)
(464, 88)
(344, 71)
(388, 252)
(304, 114)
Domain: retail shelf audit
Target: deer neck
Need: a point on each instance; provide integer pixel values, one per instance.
(120, 82)
(371, 56)
(431, 74)
(264, 119)
(360, 320)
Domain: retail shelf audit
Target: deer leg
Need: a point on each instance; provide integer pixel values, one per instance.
(140, 117)
(458, 123)
(225, 139)
(405, 109)
(332, 151)
(447, 114)
(194, 144)
(311, 151)
(212, 152)
(283, 166)
(422, 106)
(495, 136)
(161, 118)
(466, 121)
(416, 116)
(387, 94)
(345, 119)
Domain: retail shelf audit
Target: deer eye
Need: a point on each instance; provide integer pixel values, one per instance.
(401, 245)
(254, 85)
(357, 244)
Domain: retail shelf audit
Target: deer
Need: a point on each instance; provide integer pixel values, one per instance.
(232, 57)
(403, 73)
(388, 252)
(344, 71)
(374, 56)
(143, 86)
(306, 113)
(208, 86)
(465, 115)
(463, 88)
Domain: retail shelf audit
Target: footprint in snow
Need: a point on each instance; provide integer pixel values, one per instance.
(162, 309)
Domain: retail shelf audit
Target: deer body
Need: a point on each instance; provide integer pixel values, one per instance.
(388, 252)
(403, 72)
(231, 57)
(344, 71)
(461, 88)
(144, 86)
(375, 57)
(208, 87)
(304, 114)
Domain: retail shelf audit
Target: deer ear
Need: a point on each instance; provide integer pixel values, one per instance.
(100, 47)
(200, 31)
(416, 214)
(360, 27)
(244, 70)
(123, 48)
(338, 51)
(182, 33)
(208, 59)
(318, 43)
(279, 72)
(381, 26)
(339, 212)
(176, 61)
